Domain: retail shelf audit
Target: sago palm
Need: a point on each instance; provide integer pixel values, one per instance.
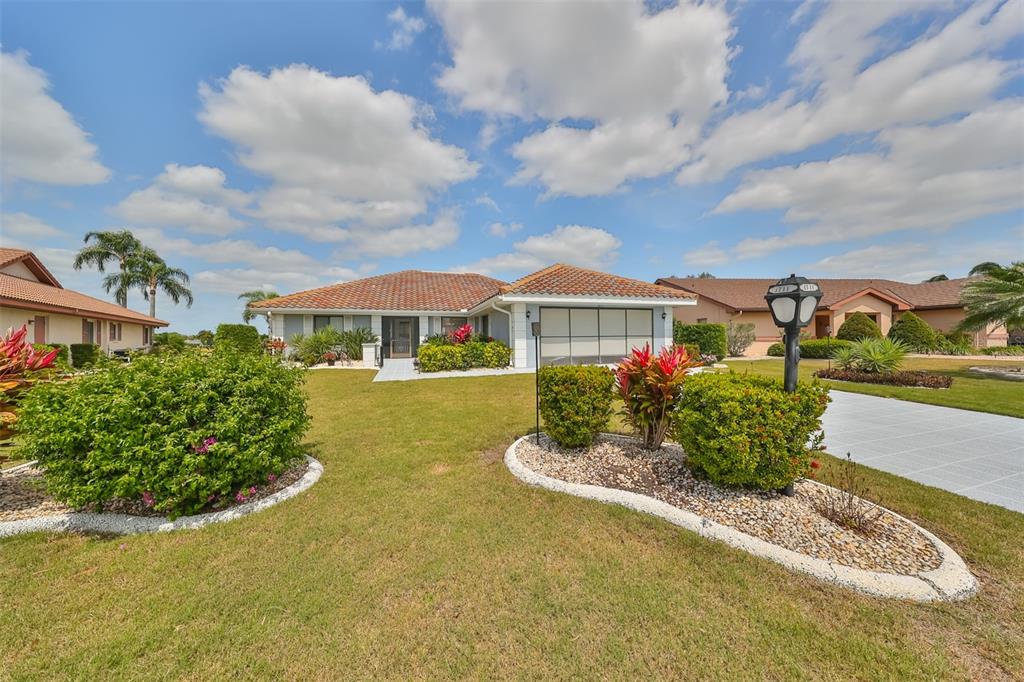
(110, 247)
(996, 298)
(150, 273)
(252, 297)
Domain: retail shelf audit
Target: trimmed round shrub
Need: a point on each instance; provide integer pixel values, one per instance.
(777, 350)
(239, 337)
(745, 430)
(84, 354)
(575, 402)
(914, 332)
(711, 338)
(180, 431)
(858, 326)
(497, 354)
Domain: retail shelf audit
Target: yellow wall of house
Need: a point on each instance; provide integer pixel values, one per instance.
(765, 331)
(67, 329)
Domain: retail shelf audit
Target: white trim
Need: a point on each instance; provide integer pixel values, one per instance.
(338, 312)
(951, 581)
(598, 300)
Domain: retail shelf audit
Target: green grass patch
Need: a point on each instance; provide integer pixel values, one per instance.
(418, 555)
(970, 390)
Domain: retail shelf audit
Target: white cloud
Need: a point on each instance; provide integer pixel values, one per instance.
(193, 197)
(588, 247)
(485, 200)
(707, 255)
(503, 229)
(645, 80)
(41, 141)
(942, 74)
(405, 32)
(24, 226)
(347, 162)
(933, 177)
(401, 241)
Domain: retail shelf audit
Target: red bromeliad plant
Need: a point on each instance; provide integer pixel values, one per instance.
(18, 359)
(649, 386)
(462, 334)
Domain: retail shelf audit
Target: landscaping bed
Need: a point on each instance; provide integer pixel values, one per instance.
(904, 378)
(1004, 372)
(23, 495)
(893, 546)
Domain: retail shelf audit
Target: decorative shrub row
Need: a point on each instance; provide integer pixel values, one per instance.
(711, 338)
(747, 431)
(239, 337)
(84, 354)
(811, 348)
(907, 378)
(575, 402)
(180, 431)
(1002, 350)
(439, 358)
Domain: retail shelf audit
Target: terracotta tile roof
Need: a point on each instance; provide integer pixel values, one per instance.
(748, 294)
(406, 290)
(568, 280)
(22, 293)
(9, 256)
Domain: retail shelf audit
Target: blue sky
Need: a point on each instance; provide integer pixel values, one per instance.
(292, 145)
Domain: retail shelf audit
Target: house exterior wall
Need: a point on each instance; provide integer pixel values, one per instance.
(67, 329)
(293, 324)
(946, 319)
(765, 331)
(864, 304)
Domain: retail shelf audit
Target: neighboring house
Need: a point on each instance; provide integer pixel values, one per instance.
(585, 316)
(30, 294)
(742, 300)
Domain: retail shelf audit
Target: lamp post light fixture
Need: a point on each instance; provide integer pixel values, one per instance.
(792, 302)
(535, 329)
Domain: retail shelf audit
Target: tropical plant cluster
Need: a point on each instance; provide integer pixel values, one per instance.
(462, 349)
(328, 341)
(747, 430)
(871, 355)
(182, 432)
(20, 364)
(649, 386)
(711, 338)
(575, 402)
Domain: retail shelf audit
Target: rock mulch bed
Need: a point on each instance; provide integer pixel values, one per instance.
(1005, 372)
(894, 545)
(23, 495)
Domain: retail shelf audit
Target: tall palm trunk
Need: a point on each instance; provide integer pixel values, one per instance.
(122, 294)
(152, 300)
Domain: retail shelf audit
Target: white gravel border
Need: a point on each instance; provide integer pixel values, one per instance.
(951, 581)
(125, 524)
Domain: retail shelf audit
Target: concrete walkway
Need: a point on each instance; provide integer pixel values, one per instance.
(974, 454)
(401, 369)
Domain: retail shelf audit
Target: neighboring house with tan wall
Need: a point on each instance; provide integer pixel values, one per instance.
(884, 301)
(31, 295)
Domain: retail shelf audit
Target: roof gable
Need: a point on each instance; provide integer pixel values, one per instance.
(569, 280)
(9, 257)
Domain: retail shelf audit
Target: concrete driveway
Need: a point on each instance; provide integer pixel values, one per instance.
(974, 454)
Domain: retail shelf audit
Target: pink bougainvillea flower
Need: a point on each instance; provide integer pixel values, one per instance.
(148, 499)
(240, 496)
(252, 490)
(271, 477)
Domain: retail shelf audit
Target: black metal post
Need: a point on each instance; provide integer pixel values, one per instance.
(792, 358)
(536, 382)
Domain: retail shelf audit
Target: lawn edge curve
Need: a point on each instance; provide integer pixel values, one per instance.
(125, 524)
(951, 581)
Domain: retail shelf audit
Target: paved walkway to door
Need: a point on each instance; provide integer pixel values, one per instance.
(401, 369)
(974, 454)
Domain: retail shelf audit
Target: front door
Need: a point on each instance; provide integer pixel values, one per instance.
(40, 329)
(821, 329)
(401, 337)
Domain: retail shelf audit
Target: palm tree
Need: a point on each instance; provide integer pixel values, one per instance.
(997, 297)
(150, 273)
(252, 297)
(120, 246)
(937, 278)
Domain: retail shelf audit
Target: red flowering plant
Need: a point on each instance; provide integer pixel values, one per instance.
(462, 334)
(649, 386)
(18, 362)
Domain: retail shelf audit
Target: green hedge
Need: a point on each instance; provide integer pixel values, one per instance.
(169, 342)
(858, 326)
(240, 337)
(575, 402)
(817, 349)
(1002, 350)
(746, 430)
(437, 358)
(62, 351)
(84, 354)
(711, 338)
(145, 428)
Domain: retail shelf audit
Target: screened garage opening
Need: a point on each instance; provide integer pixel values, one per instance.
(588, 336)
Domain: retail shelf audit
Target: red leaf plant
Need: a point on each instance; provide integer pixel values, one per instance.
(649, 386)
(18, 361)
(462, 334)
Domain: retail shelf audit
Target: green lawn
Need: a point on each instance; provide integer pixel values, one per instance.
(418, 555)
(970, 390)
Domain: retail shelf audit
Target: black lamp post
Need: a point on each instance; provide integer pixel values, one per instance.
(792, 302)
(535, 328)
